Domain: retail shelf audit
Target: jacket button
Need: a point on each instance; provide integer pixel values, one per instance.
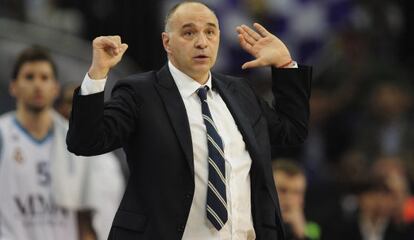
(188, 195)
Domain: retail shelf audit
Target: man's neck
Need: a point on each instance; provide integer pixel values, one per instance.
(200, 78)
(37, 124)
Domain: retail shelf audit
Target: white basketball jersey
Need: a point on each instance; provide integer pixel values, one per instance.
(27, 210)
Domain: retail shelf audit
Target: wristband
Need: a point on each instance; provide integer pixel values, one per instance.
(286, 64)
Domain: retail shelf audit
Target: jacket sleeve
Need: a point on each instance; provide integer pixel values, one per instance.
(288, 116)
(96, 127)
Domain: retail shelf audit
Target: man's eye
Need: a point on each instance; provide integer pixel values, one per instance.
(45, 77)
(29, 76)
(189, 34)
(210, 32)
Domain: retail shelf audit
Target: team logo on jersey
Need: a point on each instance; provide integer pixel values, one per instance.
(18, 156)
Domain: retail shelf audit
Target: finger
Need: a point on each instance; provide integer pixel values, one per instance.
(246, 36)
(116, 39)
(263, 32)
(251, 64)
(251, 32)
(124, 47)
(108, 43)
(245, 45)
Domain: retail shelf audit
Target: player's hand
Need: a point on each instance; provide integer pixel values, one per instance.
(295, 217)
(107, 52)
(264, 46)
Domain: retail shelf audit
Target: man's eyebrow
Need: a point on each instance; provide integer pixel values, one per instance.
(193, 25)
(188, 25)
(212, 25)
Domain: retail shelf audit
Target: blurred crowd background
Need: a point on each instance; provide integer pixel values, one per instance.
(362, 91)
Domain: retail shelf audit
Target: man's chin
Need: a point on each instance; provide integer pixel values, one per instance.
(36, 108)
(202, 67)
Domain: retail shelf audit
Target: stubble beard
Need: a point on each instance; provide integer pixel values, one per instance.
(34, 109)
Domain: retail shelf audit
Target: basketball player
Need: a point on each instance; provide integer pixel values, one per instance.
(42, 186)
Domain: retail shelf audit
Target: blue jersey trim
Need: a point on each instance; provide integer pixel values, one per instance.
(27, 133)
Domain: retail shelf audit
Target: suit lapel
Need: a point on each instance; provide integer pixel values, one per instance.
(176, 111)
(227, 92)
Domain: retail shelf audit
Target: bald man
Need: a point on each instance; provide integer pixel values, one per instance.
(197, 142)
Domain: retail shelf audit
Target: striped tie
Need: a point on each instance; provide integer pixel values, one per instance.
(216, 191)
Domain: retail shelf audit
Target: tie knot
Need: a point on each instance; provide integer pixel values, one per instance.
(202, 93)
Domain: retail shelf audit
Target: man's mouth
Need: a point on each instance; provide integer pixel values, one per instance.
(201, 57)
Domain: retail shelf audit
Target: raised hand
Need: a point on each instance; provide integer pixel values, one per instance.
(264, 46)
(107, 52)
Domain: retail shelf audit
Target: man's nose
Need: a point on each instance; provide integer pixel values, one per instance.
(38, 82)
(201, 41)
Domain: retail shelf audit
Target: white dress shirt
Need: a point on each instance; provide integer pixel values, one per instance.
(239, 225)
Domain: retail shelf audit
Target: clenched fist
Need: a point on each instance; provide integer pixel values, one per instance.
(107, 52)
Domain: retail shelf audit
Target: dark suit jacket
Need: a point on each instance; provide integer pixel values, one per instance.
(147, 117)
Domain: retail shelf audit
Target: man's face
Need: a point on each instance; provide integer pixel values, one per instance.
(376, 205)
(193, 39)
(35, 87)
(291, 191)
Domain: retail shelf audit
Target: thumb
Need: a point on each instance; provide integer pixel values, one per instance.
(251, 64)
(124, 47)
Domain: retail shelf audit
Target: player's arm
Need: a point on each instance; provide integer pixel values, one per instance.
(86, 231)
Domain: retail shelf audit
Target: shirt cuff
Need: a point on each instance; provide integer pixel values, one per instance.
(90, 86)
(294, 64)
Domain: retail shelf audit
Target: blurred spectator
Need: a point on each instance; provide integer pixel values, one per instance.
(64, 102)
(291, 186)
(392, 170)
(330, 134)
(387, 129)
(373, 220)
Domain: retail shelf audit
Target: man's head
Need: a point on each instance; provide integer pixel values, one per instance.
(64, 101)
(34, 82)
(375, 198)
(191, 38)
(290, 184)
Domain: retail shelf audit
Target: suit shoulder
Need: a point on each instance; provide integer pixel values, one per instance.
(139, 78)
(136, 81)
(242, 84)
(227, 78)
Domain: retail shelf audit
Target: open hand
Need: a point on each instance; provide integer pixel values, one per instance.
(264, 46)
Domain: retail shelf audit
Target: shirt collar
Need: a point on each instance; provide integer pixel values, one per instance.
(185, 84)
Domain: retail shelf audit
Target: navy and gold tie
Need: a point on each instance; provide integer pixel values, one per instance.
(216, 191)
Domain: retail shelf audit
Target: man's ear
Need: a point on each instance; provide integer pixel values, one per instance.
(166, 41)
(12, 88)
(57, 90)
